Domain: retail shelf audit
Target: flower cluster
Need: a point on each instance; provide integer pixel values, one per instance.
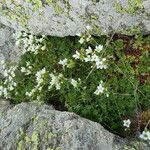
(145, 135)
(85, 37)
(32, 92)
(30, 42)
(63, 62)
(9, 82)
(27, 69)
(101, 89)
(56, 81)
(93, 56)
(40, 77)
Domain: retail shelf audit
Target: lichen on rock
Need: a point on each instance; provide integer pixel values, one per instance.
(63, 17)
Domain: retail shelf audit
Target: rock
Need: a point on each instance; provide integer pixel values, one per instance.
(64, 18)
(37, 126)
(8, 51)
(4, 103)
(30, 125)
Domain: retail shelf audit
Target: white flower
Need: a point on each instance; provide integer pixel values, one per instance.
(37, 47)
(43, 36)
(99, 48)
(145, 135)
(18, 42)
(1, 93)
(89, 50)
(126, 123)
(63, 62)
(5, 92)
(55, 81)
(27, 94)
(31, 37)
(76, 55)
(88, 27)
(2, 62)
(31, 43)
(43, 48)
(14, 84)
(23, 69)
(43, 71)
(19, 34)
(31, 93)
(10, 78)
(101, 64)
(88, 38)
(24, 34)
(13, 74)
(11, 88)
(39, 76)
(30, 67)
(38, 98)
(40, 40)
(87, 58)
(5, 73)
(95, 58)
(74, 82)
(100, 88)
(27, 63)
(1, 90)
(81, 41)
(78, 34)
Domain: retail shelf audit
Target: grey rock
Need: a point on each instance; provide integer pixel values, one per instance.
(63, 18)
(8, 51)
(30, 125)
(38, 126)
(4, 103)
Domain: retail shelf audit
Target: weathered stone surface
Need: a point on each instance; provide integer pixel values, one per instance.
(29, 125)
(63, 17)
(34, 126)
(8, 50)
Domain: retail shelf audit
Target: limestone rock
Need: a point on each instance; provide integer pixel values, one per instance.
(69, 17)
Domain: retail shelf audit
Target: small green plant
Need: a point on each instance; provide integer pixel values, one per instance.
(105, 79)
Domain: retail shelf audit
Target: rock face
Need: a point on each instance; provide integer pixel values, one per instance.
(33, 126)
(69, 17)
(8, 50)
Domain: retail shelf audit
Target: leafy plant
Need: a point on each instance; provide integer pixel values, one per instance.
(105, 79)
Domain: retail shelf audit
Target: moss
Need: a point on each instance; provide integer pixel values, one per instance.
(132, 8)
